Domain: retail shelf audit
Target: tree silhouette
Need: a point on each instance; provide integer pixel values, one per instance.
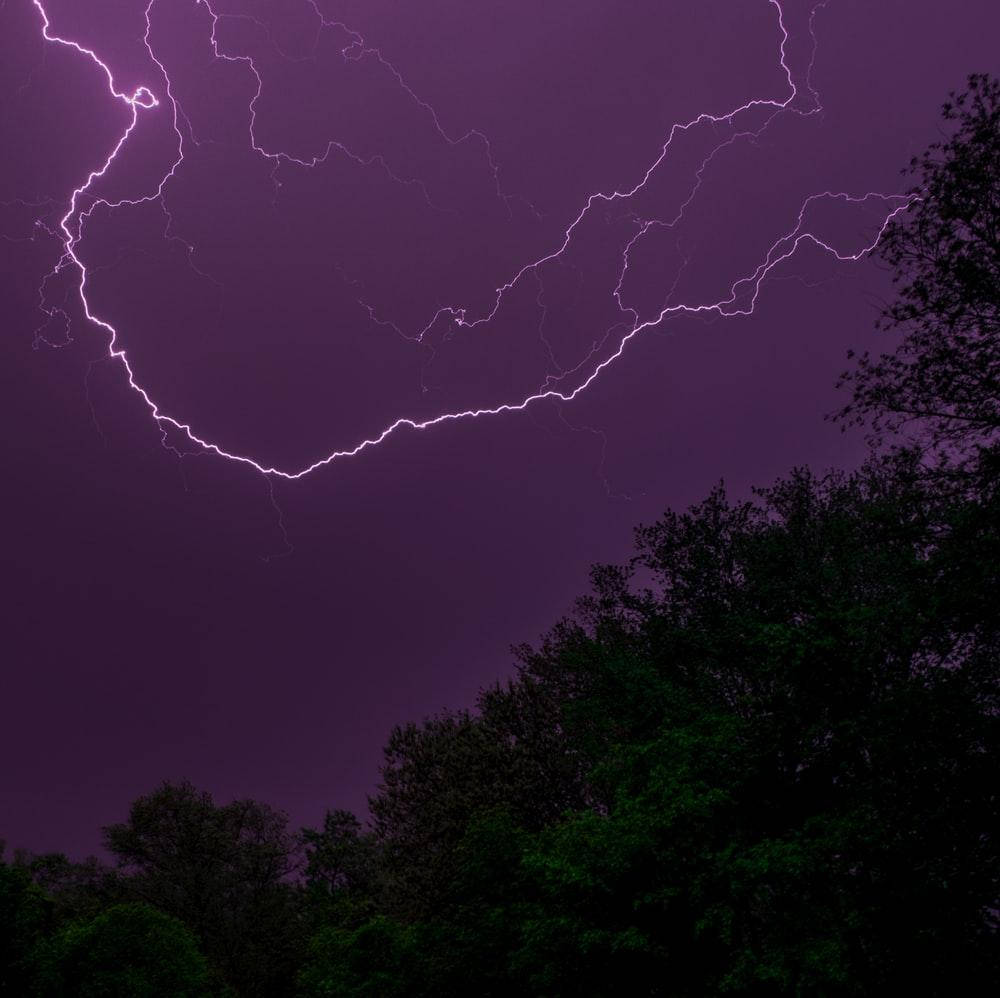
(130, 949)
(942, 381)
(222, 870)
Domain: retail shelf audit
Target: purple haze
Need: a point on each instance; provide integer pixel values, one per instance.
(175, 616)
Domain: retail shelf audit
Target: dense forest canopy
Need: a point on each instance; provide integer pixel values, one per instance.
(760, 758)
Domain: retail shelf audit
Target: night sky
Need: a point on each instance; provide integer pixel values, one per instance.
(316, 269)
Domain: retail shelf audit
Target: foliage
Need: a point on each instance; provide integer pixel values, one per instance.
(786, 730)
(376, 960)
(943, 378)
(24, 917)
(222, 870)
(130, 949)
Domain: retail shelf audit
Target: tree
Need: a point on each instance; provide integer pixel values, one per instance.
(787, 736)
(222, 870)
(130, 949)
(25, 918)
(73, 889)
(794, 726)
(342, 871)
(438, 776)
(378, 959)
(943, 379)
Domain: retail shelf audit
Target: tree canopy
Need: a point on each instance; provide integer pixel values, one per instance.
(942, 380)
(129, 949)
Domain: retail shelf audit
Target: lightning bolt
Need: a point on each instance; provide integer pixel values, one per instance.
(566, 384)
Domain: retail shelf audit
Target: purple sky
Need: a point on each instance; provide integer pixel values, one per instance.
(192, 617)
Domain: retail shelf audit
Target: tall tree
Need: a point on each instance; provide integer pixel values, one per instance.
(942, 381)
(437, 776)
(785, 714)
(222, 870)
(25, 917)
(794, 722)
(130, 949)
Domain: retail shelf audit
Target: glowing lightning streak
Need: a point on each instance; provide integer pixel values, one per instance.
(357, 50)
(747, 287)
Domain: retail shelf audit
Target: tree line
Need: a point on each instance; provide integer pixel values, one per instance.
(759, 758)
